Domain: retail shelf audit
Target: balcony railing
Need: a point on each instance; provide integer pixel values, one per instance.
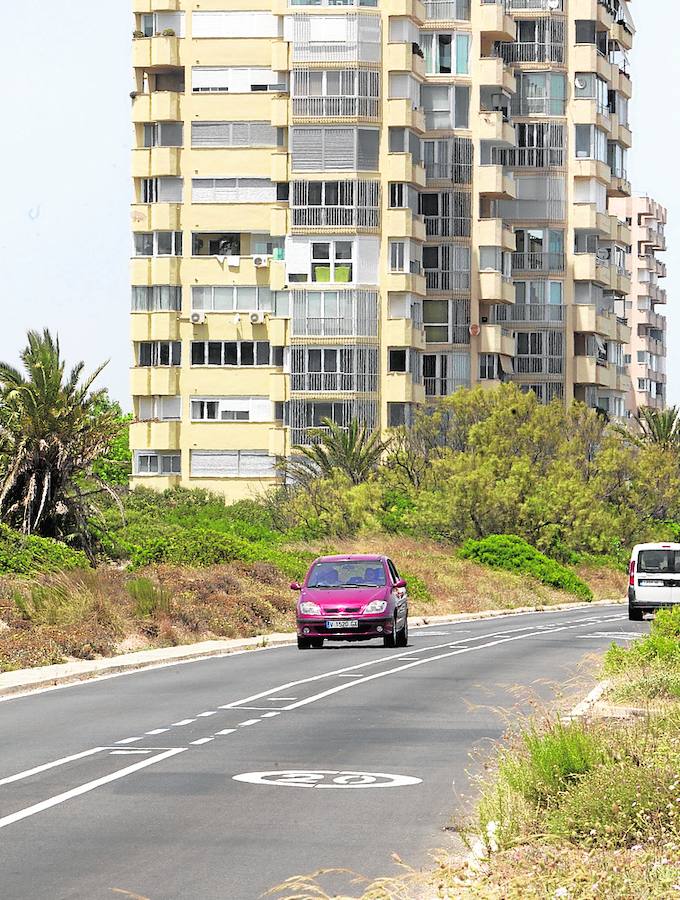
(447, 10)
(530, 52)
(538, 262)
(335, 217)
(336, 107)
(333, 382)
(544, 5)
(528, 312)
(441, 387)
(438, 280)
(528, 157)
(539, 365)
(447, 226)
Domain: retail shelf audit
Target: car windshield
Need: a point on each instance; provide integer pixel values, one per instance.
(346, 575)
(659, 561)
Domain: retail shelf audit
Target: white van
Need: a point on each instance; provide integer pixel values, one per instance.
(653, 578)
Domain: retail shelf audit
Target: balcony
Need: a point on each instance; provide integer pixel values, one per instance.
(157, 270)
(594, 169)
(497, 339)
(401, 58)
(494, 127)
(593, 11)
(589, 112)
(535, 5)
(619, 186)
(538, 262)
(156, 52)
(496, 183)
(530, 313)
(148, 380)
(400, 388)
(587, 370)
(494, 22)
(334, 107)
(493, 71)
(158, 326)
(445, 280)
(156, 216)
(543, 53)
(339, 218)
(280, 51)
(405, 283)
(587, 267)
(404, 223)
(587, 218)
(279, 164)
(402, 167)
(156, 161)
(218, 270)
(585, 58)
(402, 114)
(621, 133)
(161, 106)
(445, 10)
(149, 6)
(495, 288)
(623, 37)
(403, 333)
(589, 320)
(155, 435)
(653, 237)
(494, 233)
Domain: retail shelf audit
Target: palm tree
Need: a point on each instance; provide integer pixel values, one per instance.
(658, 427)
(53, 427)
(354, 451)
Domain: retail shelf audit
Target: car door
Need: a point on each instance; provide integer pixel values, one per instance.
(401, 599)
(654, 577)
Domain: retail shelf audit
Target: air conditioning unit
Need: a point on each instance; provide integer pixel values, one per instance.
(257, 318)
(260, 261)
(198, 317)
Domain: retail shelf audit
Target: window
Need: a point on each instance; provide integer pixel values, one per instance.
(163, 409)
(446, 321)
(149, 462)
(446, 213)
(446, 106)
(591, 143)
(398, 195)
(346, 368)
(244, 24)
(156, 23)
(235, 298)
(233, 134)
(449, 159)
(158, 243)
(539, 145)
(231, 409)
(332, 261)
(163, 134)
(336, 203)
(489, 368)
(540, 352)
(443, 373)
(397, 360)
(237, 80)
(232, 464)
(617, 158)
(335, 313)
(233, 190)
(235, 353)
(539, 249)
(589, 86)
(446, 53)
(336, 92)
(159, 353)
(447, 267)
(161, 190)
(159, 298)
(318, 149)
(540, 94)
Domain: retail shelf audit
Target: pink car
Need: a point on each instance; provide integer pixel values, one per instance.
(352, 598)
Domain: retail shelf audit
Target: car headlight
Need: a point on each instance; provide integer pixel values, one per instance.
(307, 608)
(376, 606)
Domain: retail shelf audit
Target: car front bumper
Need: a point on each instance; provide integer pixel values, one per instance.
(369, 627)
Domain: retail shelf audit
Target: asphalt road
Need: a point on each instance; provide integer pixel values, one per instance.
(126, 786)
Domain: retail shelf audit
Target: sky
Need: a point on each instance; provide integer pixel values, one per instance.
(65, 224)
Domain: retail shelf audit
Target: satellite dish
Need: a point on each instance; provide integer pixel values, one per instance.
(553, 4)
(581, 83)
(603, 253)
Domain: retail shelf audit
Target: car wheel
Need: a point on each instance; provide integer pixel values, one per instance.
(303, 643)
(390, 640)
(402, 636)
(317, 643)
(635, 614)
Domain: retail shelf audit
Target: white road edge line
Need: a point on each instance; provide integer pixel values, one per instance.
(50, 765)
(85, 788)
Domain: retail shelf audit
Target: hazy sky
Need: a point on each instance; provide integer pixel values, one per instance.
(64, 235)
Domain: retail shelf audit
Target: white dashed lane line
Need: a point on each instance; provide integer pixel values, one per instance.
(157, 731)
(205, 740)
(226, 731)
(204, 715)
(248, 722)
(270, 715)
(182, 722)
(129, 740)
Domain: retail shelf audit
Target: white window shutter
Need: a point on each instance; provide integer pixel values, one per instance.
(214, 463)
(170, 190)
(307, 149)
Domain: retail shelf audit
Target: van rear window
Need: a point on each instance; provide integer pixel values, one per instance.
(657, 561)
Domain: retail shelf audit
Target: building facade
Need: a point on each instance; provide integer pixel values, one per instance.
(646, 353)
(346, 210)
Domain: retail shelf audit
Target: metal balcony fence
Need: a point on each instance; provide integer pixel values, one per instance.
(447, 10)
(538, 262)
(336, 107)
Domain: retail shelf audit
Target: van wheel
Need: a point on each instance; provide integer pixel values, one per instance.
(303, 643)
(635, 614)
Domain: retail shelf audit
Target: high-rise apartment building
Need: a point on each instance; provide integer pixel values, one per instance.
(645, 356)
(346, 209)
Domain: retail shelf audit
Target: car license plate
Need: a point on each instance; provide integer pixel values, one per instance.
(651, 584)
(342, 623)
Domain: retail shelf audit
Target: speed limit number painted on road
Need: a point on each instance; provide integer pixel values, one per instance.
(322, 778)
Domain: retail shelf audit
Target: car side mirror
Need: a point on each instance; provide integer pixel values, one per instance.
(295, 586)
(400, 584)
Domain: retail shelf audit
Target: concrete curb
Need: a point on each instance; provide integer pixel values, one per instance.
(24, 681)
(584, 706)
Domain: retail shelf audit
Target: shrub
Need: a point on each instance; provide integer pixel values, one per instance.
(168, 32)
(26, 555)
(417, 589)
(150, 599)
(660, 648)
(514, 554)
